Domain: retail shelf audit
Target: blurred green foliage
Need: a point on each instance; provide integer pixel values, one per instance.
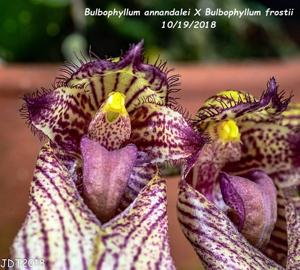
(53, 30)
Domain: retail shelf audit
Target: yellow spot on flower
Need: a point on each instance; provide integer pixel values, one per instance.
(115, 106)
(228, 131)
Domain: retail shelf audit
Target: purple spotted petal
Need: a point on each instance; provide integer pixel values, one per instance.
(105, 176)
(272, 145)
(163, 133)
(253, 203)
(64, 113)
(293, 229)
(63, 231)
(111, 135)
(214, 237)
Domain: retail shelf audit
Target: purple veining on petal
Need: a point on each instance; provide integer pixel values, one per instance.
(156, 74)
(277, 247)
(139, 232)
(270, 144)
(214, 237)
(105, 176)
(140, 176)
(63, 114)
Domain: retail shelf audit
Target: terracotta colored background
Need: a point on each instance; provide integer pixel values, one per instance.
(19, 148)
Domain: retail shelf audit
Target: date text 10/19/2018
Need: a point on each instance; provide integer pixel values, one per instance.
(188, 24)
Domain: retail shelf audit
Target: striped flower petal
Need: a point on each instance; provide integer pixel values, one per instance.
(140, 176)
(61, 230)
(268, 132)
(288, 187)
(63, 114)
(273, 146)
(216, 240)
(277, 247)
(234, 104)
(128, 74)
(163, 133)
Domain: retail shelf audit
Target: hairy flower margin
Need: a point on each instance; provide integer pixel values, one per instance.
(97, 200)
(239, 203)
(119, 111)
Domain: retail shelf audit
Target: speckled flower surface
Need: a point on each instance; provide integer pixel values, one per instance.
(97, 200)
(239, 202)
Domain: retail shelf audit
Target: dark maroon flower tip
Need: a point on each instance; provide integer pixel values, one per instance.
(35, 103)
(36, 107)
(233, 104)
(133, 56)
(276, 99)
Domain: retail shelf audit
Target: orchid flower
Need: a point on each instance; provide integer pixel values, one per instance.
(96, 199)
(239, 203)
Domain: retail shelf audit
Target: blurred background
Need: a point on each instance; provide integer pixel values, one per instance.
(37, 36)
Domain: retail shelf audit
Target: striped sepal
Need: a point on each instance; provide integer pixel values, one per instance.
(62, 230)
(234, 104)
(138, 179)
(291, 116)
(277, 246)
(215, 239)
(63, 114)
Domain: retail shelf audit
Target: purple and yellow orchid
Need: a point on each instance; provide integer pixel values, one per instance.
(97, 200)
(239, 202)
